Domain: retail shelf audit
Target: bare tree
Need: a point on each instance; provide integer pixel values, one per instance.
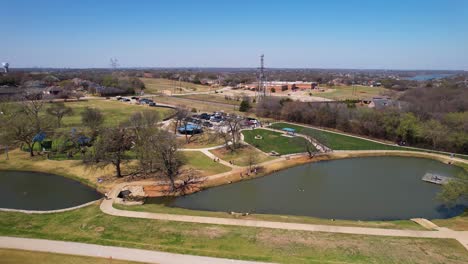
(59, 110)
(182, 114)
(32, 105)
(252, 158)
(111, 148)
(168, 159)
(93, 119)
(231, 132)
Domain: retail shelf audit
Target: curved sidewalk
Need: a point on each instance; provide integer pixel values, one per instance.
(109, 252)
(106, 207)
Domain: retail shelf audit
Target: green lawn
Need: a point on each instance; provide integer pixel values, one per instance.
(241, 156)
(161, 208)
(274, 141)
(199, 161)
(343, 142)
(10, 256)
(90, 225)
(337, 141)
(114, 112)
(156, 85)
(349, 92)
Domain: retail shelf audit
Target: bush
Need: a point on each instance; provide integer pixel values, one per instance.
(244, 106)
(273, 90)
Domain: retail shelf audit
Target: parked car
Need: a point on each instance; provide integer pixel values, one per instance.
(205, 116)
(152, 104)
(207, 124)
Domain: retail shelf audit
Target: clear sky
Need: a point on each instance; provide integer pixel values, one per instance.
(391, 34)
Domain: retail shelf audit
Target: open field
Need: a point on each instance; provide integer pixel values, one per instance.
(240, 157)
(274, 141)
(215, 98)
(349, 92)
(202, 163)
(156, 85)
(336, 141)
(343, 142)
(200, 106)
(10, 256)
(114, 111)
(90, 225)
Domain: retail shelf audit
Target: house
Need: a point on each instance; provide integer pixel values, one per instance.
(53, 90)
(383, 102)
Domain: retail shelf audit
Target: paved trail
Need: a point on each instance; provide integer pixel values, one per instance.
(106, 207)
(91, 250)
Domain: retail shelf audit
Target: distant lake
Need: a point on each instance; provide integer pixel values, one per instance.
(427, 77)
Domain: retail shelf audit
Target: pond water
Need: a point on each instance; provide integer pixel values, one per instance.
(427, 77)
(370, 188)
(41, 191)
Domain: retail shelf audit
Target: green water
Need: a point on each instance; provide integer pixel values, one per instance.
(371, 188)
(41, 191)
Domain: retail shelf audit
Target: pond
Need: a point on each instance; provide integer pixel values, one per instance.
(370, 188)
(42, 191)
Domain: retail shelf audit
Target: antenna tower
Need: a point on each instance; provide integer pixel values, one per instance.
(261, 78)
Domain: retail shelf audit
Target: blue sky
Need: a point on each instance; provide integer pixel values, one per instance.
(375, 34)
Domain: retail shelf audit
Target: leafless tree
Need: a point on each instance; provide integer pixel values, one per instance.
(182, 114)
(59, 110)
(111, 148)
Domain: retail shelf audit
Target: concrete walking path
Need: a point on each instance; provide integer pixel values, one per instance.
(109, 252)
(106, 207)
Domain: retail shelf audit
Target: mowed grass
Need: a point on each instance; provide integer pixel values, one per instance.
(90, 225)
(274, 141)
(161, 208)
(215, 98)
(202, 163)
(336, 141)
(10, 256)
(349, 92)
(157, 85)
(242, 156)
(114, 112)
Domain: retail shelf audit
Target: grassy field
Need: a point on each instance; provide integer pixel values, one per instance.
(156, 85)
(200, 106)
(215, 98)
(343, 142)
(274, 141)
(240, 157)
(160, 208)
(455, 223)
(350, 92)
(337, 141)
(202, 163)
(9, 256)
(114, 111)
(90, 225)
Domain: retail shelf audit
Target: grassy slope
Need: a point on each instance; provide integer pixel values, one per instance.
(240, 156)
(336, 141)
(160, 208)
(230, 241)
(342, 142)
(274, 141)
(203, 163)
(156, 85)
(8, 256)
